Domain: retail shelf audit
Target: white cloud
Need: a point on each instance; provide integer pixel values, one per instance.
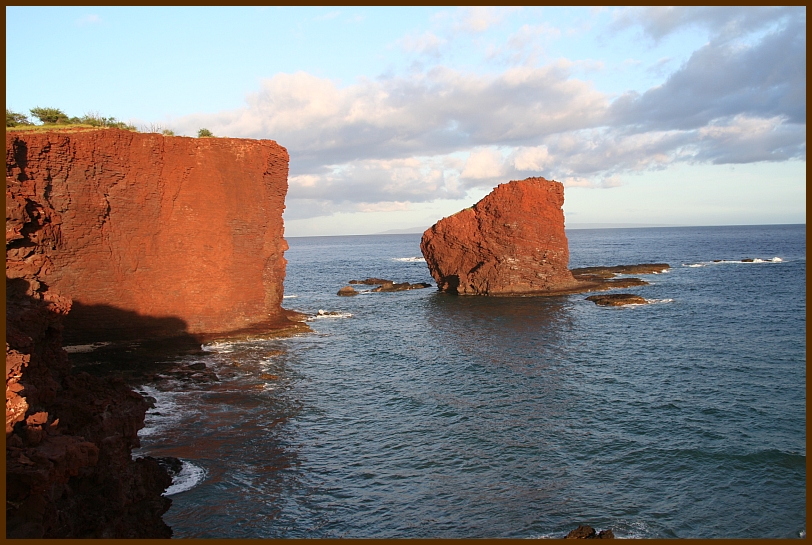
(478, 19)
(377, 145)
(531, 158)
(483, 164)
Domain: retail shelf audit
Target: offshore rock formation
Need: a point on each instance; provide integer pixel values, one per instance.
(617, 299)
(149, 235)
(512, 242)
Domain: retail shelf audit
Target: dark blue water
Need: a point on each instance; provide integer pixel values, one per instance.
(425, 415)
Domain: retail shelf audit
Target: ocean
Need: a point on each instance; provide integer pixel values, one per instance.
(417, 414)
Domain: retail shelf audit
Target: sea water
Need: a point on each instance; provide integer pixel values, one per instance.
(419, 414)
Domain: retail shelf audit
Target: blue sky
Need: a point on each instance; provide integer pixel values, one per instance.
(396, 117)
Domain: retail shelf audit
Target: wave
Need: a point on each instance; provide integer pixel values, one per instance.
(219, 347)
(164, 411)
(289, 296)
(329, 314)
(410, 259)
(728, 261)
(189, 476)
(657, 301)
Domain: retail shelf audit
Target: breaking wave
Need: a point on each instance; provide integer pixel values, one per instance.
(728, 261)
(410, 259)
(329, 314)
(189, 477)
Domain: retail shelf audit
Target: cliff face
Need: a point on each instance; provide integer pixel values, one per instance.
(120, 235)
(69, 437)
(149, 235)
(510, 242)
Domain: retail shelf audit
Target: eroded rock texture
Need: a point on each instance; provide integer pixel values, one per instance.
(69, 437)
(512, 242)
(149, 235)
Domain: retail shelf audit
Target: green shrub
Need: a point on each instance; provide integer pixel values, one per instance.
(13, 119)
(168, 132)
(204, 133)
(49, 115)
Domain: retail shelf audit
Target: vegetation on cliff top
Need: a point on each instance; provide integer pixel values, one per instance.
(54, 118)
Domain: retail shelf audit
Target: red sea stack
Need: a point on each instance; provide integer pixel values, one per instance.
(512, 242)
(149, 235)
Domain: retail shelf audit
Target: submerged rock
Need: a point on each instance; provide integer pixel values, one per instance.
(617, 299)
(383, 285)
(347, 291)
(391, 286)
(588, 532)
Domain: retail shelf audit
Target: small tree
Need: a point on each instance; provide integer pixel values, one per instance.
(204, 133)
(49, 115)
(13, 119)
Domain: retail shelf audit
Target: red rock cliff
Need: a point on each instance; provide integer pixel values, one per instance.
(510, 242)
(149, 235)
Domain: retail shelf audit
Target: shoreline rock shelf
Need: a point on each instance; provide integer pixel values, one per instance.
(617, 299)
(382, 286)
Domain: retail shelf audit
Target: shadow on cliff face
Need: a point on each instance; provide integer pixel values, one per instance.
(104, 340)
(69, 436)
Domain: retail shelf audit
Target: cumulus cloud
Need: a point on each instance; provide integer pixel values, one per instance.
(722, 79)
(478, 19)
(439, 112)
(377, 145)
(722, 21)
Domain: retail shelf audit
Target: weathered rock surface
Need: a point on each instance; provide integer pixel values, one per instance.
(617, 299)
(382, 285)
(402, 286)
(69, 437)
(588, 532)
(512, 242)
(149, 235)
(593, 273)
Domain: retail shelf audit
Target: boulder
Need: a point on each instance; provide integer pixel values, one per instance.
(512, 242)
(347, 291)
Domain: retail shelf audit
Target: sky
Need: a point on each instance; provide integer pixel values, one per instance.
(395, 117)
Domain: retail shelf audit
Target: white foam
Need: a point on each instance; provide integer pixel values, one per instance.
(219, 347)
(190, 476)
(410, 259)
(165, 412)
(694, 265)
(329, 314)
(656, 301)
(289, 296)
